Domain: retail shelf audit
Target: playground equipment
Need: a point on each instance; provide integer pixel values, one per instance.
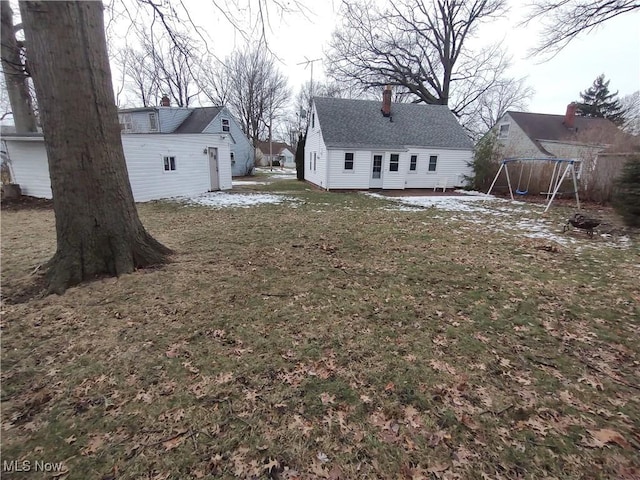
(560, 172)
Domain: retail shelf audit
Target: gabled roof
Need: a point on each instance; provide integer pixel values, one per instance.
(542, 126)
(360, 124)
(198, 120)
(276, 147)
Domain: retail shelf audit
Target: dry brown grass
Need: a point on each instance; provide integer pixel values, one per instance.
(332, 340)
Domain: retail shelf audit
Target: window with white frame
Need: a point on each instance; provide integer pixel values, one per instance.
(394, 162)
(413, 163)
(310, 160)
(225, 125)
(348, 161)
(169, 164)
(433, 163)
(315, 156)
(125, 122)
(153, 122)
(313, 120)
(504, 131)
(233, 159)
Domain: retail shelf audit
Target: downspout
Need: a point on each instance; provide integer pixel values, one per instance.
(326, 163)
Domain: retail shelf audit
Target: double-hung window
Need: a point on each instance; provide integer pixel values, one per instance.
(225, 124)
(169, 164)
(348, 161)
(433, 163)
(413, 163)
(394, 162)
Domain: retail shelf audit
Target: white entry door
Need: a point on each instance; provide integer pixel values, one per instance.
(213, 168)
(376, 171)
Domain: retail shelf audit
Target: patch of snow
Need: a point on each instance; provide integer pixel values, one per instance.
(224, 199)
(239, 183)
(449, 203)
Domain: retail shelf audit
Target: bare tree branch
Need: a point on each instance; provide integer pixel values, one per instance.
(564, 20)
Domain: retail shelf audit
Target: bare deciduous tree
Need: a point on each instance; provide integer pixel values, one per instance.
(564, 20)
(422, 48)
(97, 224)
(16, 76)
(506, 94)
(140, 75)
(258, 91)
(631, 105)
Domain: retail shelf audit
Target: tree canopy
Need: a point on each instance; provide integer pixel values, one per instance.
(424, 49)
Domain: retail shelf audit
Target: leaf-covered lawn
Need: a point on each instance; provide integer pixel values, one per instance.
(335, 337)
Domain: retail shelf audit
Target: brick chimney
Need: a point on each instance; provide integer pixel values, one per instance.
(569, 117)
(386, 101)
(165, 101)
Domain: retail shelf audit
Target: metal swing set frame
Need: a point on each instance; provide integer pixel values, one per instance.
(557, 177)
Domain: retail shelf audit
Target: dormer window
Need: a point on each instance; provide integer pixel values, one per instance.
(125, 122)
(153, 122)
(225, 124)
(504, 131)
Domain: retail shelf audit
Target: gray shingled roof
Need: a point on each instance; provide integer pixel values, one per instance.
(198, 120)
(360, 124)
(542, 126)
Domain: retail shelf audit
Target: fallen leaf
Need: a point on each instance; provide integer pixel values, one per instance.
(438, 468)
(70, 439)
(606, 435)
(175, 441)
(469, 422)
(390, 387)
(93, 445)
(271, 465)
(327, 399)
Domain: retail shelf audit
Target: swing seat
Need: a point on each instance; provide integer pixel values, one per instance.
(522, 192)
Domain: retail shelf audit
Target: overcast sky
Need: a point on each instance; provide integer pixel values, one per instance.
(612, 49)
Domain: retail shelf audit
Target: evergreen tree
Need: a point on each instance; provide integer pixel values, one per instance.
(302, 139)
(627, 197)
(598, 102)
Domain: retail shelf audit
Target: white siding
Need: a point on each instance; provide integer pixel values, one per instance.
(394, 180)
(315, 145)
(149, 180)
(144, 154)
(358, 178)
(171, 118)
(139, 121)
(517, 143)
(243, 152)
(452, 165)
(30, 167)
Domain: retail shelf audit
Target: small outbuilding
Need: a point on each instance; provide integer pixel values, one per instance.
(364, 144)
(159, 165)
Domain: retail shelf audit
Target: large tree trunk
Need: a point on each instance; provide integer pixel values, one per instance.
(15, 75)
(97, 224)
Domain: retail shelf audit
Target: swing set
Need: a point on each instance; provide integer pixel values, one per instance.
(560, 173)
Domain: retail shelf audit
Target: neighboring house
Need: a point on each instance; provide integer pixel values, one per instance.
(160, 165)
(585, 140)
(363, 144)
(539, 135)
(179, 120)
(275, 152)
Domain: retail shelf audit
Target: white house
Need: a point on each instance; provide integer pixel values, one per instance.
(363, 144)
(180, 120)
(159, 165)
(278, 152)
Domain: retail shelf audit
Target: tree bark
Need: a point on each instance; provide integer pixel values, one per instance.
(97, 224)
(15, 75)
